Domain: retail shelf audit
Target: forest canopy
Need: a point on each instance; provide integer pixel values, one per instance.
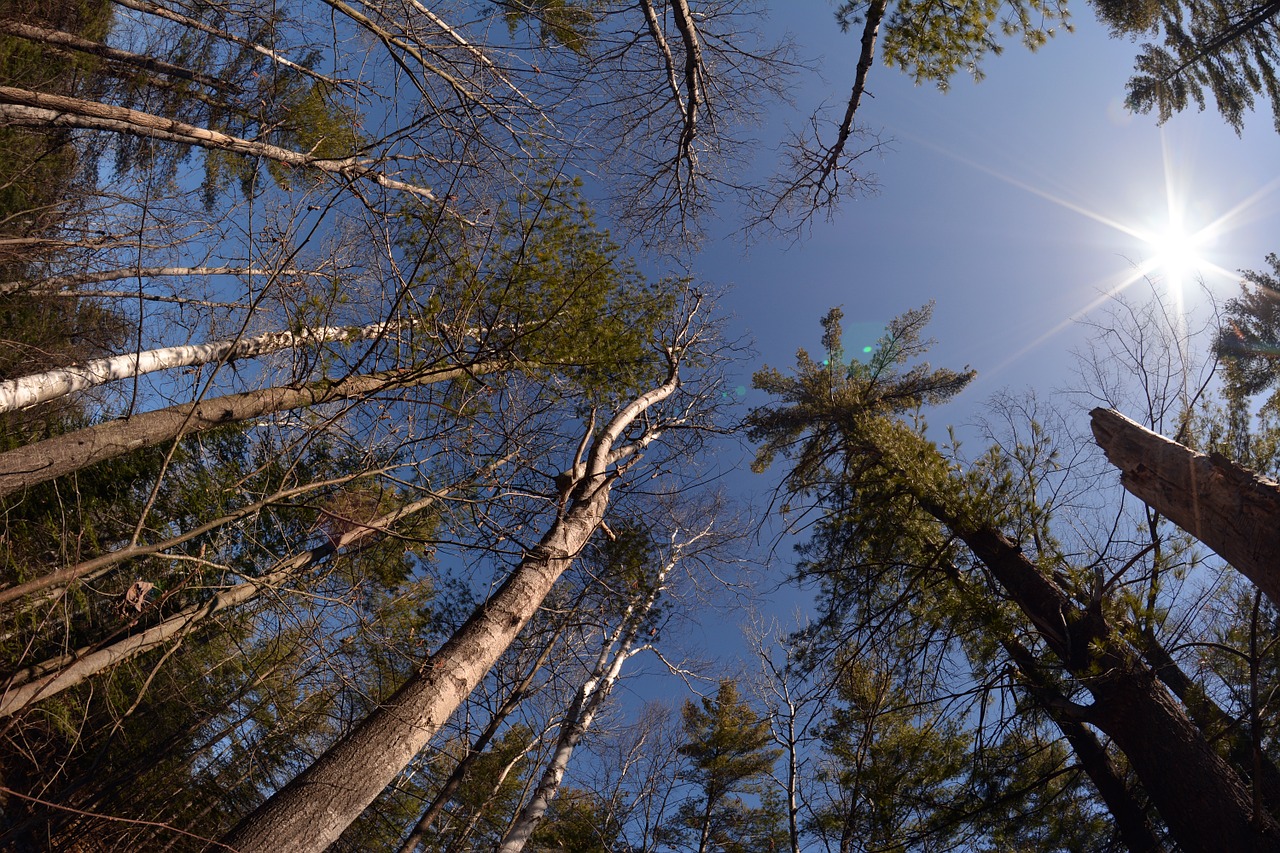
(363, 428)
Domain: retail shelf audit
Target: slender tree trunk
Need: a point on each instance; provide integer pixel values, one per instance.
(586, 703)
(95, 567)
(70, 41)
(52, 677)
(24, 107)
(161, 12)
(577, 720)
(313, 810)
(1224, 505)
(54, 457)
(56, 284)
(49, 385)
(513, 700)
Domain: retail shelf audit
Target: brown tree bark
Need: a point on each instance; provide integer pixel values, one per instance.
(419, 833)
(1132, 824)
(54, 457)
(1224, 505)
(312, 811)
(1204, 802)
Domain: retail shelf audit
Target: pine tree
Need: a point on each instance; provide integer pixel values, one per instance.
(966, 554)
(1220, 49)
(729, 754)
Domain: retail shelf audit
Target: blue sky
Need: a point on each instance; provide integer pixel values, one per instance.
(1005, 202)
(1010, 203)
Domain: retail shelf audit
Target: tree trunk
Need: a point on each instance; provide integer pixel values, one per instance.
(71, 41)
(52, 677)
(312, 811)
(96, 566)
(54, 457)
(581, 713)
(1227, 507)
(1132, 825)
(1201, 798)
(41, 387)
(274, 56)
(56, 285)
(23, 107)
(513, 700)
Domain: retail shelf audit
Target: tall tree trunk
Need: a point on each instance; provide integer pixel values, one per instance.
(51, 677)
(1132, 824)
(1224, 505)
(274, 56)
(509, 705)
(56, 285)
(1202, 799)
(71, 41)
(1216, 723)
(49, 385)
(588, 699)
(54, 457)
(23, 107)
(312, 811)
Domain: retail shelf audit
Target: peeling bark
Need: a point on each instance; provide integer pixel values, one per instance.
(49, 385)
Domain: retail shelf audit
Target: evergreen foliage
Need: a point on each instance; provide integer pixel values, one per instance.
(1222, 50)
(730, 758)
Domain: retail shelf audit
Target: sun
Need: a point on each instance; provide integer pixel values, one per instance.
(1176, 254)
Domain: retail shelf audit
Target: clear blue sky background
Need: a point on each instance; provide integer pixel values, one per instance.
(1005, 202)
(987, 201)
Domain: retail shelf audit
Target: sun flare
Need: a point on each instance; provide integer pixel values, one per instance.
(1176, 254)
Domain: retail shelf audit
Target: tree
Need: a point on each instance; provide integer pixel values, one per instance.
(930, 42)
(1223, 50)
(625, 561)
(907, 534)
(357, 768)
(728, 753)
(41, 387)
(1224, 505)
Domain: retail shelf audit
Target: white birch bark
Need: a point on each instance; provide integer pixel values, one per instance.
(37, 388)
(51, 677)
(23, 107)
(56, 284)
(617, 650)
(312, 811)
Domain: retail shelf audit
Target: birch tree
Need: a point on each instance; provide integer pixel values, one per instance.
(41, 387)
(618, 646)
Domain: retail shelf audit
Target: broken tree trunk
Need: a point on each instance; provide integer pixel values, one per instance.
(1224, 505)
